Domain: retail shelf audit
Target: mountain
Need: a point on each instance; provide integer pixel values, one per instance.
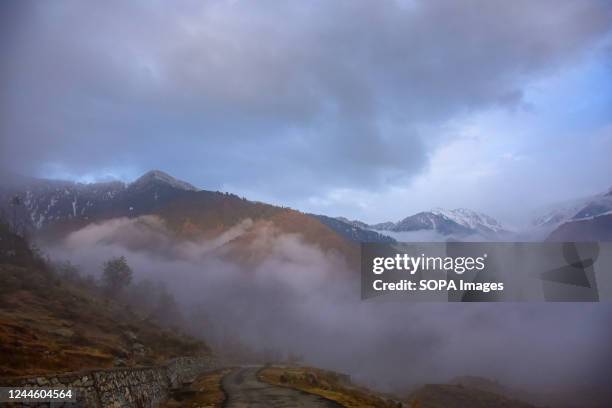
(383, 226)
(460, 221)
(576, 210)
(589, 229)
(53, 209)
(457, 223)
(47, 202)
(354, 223)
(431, 221)
(585, 219)
(159, 179)
(354, 230)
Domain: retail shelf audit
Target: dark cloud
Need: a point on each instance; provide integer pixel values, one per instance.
(293, 99)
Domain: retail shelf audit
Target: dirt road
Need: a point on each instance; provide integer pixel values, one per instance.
(244, 389)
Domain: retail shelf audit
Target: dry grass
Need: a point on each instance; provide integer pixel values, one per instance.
(445, 395)
(208, 214)
(205, 392)
(327, 384)
(48, 326)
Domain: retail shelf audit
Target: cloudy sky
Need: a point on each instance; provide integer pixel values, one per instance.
(368, 109)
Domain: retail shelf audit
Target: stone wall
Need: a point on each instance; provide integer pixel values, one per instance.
(141, 387)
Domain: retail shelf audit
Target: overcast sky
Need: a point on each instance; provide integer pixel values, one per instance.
(367, 109)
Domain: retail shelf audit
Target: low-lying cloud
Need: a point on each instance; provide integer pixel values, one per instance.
(295, 300)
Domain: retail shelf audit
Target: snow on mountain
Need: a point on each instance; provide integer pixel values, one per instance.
(458, 222)
(383, 226)
(575, 210)
(471, 219)
(46, 201)
(587, 219)
(442, 224)
(355, 223)
(356, 231)
(429, 220)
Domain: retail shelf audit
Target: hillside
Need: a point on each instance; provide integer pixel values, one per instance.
(50, 325)
(458, 222)
(208, 214)
(583, 219)
(591, 229)
(339, 388)
(52, 210)
(459, 396)
(328, 384)
(354, 230)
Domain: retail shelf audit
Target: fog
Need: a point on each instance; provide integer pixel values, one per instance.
(303, 300)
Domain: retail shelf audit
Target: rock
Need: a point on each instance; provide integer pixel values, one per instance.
(42, 381)
(130, 335)
(139, 349)
(120, 362)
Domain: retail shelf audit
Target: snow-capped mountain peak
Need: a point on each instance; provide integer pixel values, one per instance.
(460, 222)
(470, 219)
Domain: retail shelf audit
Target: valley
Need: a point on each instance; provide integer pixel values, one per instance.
(243, 282)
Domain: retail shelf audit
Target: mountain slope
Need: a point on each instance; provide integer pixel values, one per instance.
(54, 209)
(431, 221)
(586, 219)
(579, 209)
(353, 230)
(459, 396)
(49, 324)
(591, 229)
(48, 202)
(456, 223)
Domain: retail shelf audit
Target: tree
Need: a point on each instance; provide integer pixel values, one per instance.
(141, 297)
(167, 312)
(68, 271)
(4, 224)
(16, 204)
(117, 275)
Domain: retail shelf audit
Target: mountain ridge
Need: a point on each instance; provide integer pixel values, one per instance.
(46, 203)
(460, 222)
(160, 177)
(54, 209)
(583, 219)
